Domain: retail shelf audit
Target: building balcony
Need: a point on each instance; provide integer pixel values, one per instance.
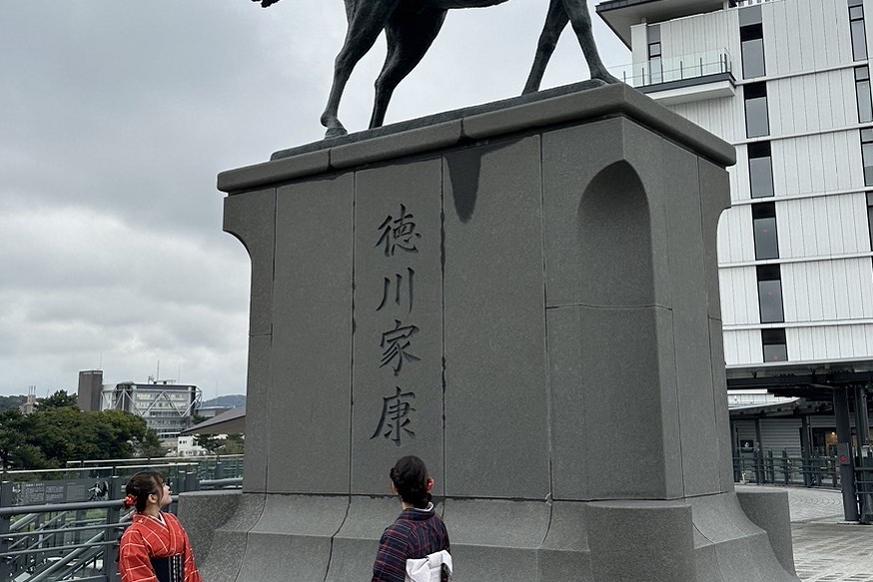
(694, 77)
(621, 15)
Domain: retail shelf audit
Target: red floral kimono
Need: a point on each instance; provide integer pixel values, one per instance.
(152, 550)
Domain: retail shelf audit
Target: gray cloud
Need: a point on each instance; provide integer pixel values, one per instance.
(116, 117)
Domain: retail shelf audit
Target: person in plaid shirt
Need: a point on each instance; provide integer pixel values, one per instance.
(418, 531)
(155, 548)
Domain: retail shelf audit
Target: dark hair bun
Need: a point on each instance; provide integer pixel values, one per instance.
(409, 476)
(140, 487)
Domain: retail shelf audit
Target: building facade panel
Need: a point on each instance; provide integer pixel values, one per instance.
(832, 290)
(735, 242)
(816, 164)
(739, 296)
(639, 43)
(822, 226)
(701, 34)
(719, 116)
(805, 35)
(812, 103)
(743, 347)
(830, 342)
(739, 175)
(868, 12)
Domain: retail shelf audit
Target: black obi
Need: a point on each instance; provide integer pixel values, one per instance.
(170, 569)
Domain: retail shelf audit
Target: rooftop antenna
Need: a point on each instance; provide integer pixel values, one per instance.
(158, 373)
(179, 375)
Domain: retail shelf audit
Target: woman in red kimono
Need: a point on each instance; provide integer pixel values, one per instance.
(155, 548)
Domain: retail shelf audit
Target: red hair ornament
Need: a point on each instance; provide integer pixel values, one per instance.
(129, 501)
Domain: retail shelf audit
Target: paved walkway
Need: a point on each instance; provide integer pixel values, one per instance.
(827, 549)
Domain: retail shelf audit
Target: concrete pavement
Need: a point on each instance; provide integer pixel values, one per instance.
(827, 549)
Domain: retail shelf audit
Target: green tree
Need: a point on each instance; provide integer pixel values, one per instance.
(149, 445)
(10, 436)
(58, 433)
(59, 399)
(15, 450)
(69, 434)
(234, 444)
(11, 402)
(210, 442)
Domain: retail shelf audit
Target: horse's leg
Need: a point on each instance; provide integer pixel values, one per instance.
(410, 32)
(556, 20)
(350, 9)
(577, 10)
(367, 21)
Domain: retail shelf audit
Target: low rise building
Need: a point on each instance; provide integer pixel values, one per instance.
(167, 408)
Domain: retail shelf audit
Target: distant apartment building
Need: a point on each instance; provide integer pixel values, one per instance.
(787, 82)
(90, 394)
(167, 408)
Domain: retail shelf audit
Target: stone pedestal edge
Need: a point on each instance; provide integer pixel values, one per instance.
(467, 126)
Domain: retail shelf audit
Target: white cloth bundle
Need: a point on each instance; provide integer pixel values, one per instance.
(430, 568)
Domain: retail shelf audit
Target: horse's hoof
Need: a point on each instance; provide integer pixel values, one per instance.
(605, 79)
(333, 132)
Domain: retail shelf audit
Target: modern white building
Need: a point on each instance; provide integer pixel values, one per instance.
(167, 408)
(788, 83)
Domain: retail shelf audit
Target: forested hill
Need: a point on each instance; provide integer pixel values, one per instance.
(227, 401)
(11, 402)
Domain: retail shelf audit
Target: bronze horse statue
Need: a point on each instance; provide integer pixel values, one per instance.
(410, 28)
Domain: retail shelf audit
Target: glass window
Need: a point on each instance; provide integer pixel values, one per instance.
(867, 155)
(862, 90)
(773, 341)
(752, 41)
(764, 223)
(870, 216)
(656, 71)
(859, 40)
(757, 122)
(770, 294)
(753, 58)
(750, 16)
(760, 169)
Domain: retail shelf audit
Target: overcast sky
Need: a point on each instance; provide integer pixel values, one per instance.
(116, 116)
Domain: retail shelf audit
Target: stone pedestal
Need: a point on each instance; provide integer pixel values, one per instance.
(524, 294)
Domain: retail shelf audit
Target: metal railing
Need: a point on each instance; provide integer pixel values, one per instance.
(668, 70)
(772, 467)
(70, 541)
(74, 540)
(208, 467)
(90, 481)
